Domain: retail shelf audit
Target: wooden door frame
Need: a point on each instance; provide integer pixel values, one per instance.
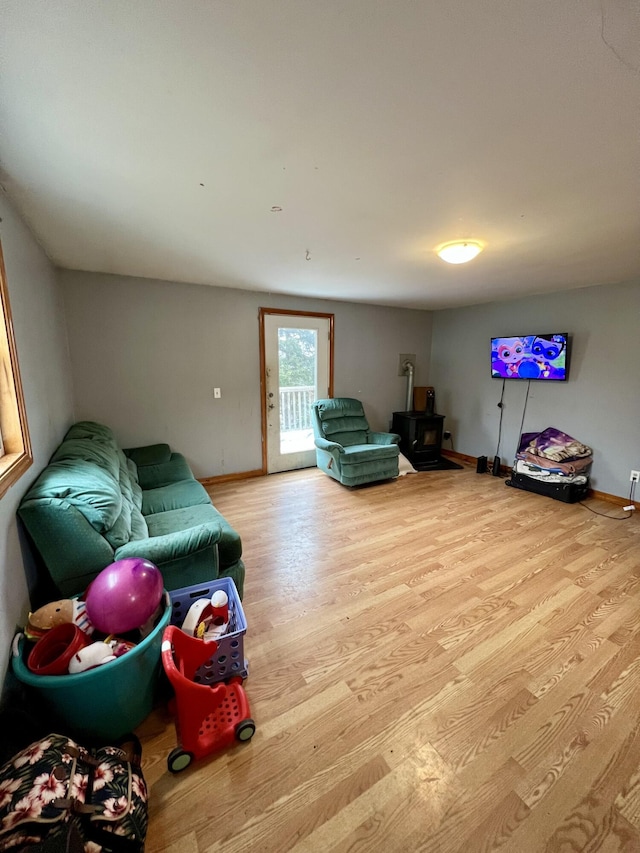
(263, 379)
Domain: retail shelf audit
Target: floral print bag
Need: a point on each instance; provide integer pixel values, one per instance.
(57, 795)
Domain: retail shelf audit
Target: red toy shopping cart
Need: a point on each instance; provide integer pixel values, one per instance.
(208, 716)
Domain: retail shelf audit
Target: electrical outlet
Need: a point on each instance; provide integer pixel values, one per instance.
(635, 476)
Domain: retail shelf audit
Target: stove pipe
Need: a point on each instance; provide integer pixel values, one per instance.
(409, 369)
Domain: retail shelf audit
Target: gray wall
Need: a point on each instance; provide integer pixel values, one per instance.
(40, 332)
(146, 356)
(600, 402)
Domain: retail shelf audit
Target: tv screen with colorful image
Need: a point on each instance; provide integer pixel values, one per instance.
(530, 357)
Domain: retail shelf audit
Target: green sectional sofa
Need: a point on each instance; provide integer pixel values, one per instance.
(95, 503)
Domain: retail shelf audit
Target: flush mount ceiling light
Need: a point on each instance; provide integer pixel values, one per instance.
(459, 251)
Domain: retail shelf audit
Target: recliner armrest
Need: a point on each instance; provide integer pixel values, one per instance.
(323, 444)
(383, 438)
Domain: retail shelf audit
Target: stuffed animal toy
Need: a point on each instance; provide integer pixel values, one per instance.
(98, 653)
(57, 613)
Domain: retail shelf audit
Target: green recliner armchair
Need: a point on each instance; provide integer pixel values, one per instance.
(346, 449)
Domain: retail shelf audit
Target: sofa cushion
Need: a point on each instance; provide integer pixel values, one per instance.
(124, 479)
(173, 470)
(102, 450)
(84, 485)
(99, 452)
(92, 431)
(184, 493)
(152, 454)
(129, 525)
(229, 546)
(139, 529)
(136, 491)
(120, 532)
(133, 470)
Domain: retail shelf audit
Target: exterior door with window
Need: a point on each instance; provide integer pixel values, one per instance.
(297, 359)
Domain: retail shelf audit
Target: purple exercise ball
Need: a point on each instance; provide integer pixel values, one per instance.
(124, 595)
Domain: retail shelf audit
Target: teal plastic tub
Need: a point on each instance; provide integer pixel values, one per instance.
(106, 702)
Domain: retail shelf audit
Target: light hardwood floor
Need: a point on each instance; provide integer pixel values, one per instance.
(437, 663)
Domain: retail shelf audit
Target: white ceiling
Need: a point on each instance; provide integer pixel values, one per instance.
(154, 137)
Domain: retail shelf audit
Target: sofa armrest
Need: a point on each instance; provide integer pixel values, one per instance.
(172, 471)
(172, 546)
(330, 446)
(384, 438)
(152, 454)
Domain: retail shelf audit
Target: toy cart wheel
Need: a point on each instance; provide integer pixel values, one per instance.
(179, 760)
(245, 730)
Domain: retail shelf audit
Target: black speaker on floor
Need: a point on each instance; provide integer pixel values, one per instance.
(496, 466)
(481, 465)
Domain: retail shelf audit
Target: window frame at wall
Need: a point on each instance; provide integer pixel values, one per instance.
(16, 456)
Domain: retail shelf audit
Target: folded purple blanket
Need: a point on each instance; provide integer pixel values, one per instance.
(554, 444)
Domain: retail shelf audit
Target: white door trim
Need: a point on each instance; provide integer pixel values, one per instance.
(294, 319)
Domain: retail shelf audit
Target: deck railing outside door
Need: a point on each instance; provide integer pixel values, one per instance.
(295, 407)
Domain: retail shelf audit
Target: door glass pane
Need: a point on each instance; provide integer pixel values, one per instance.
(297, 371)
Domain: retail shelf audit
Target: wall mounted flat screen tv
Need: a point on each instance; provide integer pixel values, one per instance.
(531, 357)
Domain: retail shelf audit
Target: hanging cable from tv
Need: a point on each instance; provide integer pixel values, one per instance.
(496, 459)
